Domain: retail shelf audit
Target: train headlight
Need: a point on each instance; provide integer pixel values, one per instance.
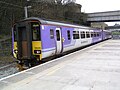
(37, 51)
(15, 51)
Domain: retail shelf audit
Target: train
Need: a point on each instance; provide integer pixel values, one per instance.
(34, 39)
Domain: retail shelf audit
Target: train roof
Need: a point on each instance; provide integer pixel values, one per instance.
(60, 23)
(43, 21)
(106, 31)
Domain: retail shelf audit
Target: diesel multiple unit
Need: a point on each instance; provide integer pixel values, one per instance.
(34, 39)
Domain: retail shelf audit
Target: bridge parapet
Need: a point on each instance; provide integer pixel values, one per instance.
(104, 16)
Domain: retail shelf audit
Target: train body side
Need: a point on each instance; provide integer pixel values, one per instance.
(49, 41)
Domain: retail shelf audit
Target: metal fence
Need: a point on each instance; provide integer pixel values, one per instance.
(5, 47)
(116, 34)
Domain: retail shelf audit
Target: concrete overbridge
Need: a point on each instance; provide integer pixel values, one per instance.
(108, 16)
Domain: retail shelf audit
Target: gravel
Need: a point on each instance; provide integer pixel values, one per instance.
(6, 71)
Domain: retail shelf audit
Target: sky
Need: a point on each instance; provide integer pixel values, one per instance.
(90, 6)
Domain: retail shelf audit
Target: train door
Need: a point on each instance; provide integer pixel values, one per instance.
(24, 41)
(59, 46)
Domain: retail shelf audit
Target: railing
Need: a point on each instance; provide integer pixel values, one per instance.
(5, 48)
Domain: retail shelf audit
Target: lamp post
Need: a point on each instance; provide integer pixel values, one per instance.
(26, 9)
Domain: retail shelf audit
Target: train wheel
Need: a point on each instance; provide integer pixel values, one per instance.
(20, 67)
(23, 65)
(34, 62)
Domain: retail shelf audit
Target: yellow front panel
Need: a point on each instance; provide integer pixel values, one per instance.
(36, 45)
(15, 50)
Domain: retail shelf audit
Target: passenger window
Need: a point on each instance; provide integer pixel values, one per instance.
(58, 35)
(87, 34)
(95, 34)
(51, 33)
(76, 35)
(83, 34)
(99, 33)
(92, 34)
(68, 34)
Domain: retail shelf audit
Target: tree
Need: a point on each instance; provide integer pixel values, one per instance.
(62, 10)
(10, 11)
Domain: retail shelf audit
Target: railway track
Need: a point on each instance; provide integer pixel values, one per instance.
(8, 70)
(9, 65)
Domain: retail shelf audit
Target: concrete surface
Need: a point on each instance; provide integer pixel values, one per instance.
(94, 68)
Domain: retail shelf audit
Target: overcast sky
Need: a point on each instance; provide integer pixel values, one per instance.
(99, 5)
(90, 6)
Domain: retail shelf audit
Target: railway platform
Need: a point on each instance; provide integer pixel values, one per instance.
(93, 68)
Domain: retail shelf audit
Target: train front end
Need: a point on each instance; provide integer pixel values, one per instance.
(27, 42)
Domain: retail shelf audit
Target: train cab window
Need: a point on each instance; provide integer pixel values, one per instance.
(51, 33)
(35, 31)
(68, 34)
(58, 35)
(83, 34)
(76, 35)
(87, 34)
